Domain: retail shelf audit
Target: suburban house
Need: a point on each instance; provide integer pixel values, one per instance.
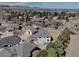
(10, 25)
(30, 30)
(5, 34)
(42, 37)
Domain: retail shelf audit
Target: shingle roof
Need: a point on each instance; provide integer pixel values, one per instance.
(33, 30)
(41, 33)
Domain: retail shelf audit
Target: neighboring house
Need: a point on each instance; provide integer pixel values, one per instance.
(54, 23)
(41, 37)
(5, 34)
(30, 30)
(10, 25)
(55, 18)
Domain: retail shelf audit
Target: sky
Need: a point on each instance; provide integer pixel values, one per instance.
(57, 5)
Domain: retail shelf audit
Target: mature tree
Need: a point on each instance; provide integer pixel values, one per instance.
(70, 14)
(57, 24)
(62, 15)
(61, 52)
(73, 15)
(64, 37)
(9, 18)
(40, 14)
(67, 19)
(62, 42)
(55, 14)
(13, 14)
(34, 12)
(27, 18)
(50, 45)
(59, 44)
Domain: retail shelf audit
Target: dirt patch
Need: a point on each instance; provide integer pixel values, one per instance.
(55, 33)
(73, 48)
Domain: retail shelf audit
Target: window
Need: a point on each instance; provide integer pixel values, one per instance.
(0, 34)
(39, 37)
(29, 32)
(47, 40)
(23, 40)
(7, 45)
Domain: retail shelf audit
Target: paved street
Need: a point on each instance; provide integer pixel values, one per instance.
(12, 40)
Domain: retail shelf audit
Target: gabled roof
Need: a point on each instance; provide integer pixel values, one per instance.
(33, 30)
(41, 33)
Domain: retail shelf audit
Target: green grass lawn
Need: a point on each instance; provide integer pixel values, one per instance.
(52, 52)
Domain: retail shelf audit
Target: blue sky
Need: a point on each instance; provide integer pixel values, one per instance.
(59, 5)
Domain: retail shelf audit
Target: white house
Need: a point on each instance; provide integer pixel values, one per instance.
(30, 30)
(10, 25)
(42, 37)
(5, 34)
(27, 31)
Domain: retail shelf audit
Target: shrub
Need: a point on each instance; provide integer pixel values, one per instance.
(52, 52)
(42, 53)
(50, 45)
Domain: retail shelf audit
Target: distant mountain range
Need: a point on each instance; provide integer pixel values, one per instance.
(5, 6)
(28, 7)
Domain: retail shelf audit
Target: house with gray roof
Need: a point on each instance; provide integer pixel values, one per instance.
(9, 25)
(30, 30)
(41, 37)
